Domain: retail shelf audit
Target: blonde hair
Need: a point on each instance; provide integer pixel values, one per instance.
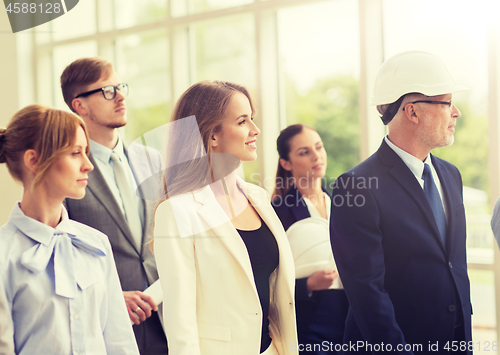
(51, 133)
(208, 101)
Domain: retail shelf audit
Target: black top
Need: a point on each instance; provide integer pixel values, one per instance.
(264, 257)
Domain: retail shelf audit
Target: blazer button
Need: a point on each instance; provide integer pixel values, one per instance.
(451, 308)
(450, 265)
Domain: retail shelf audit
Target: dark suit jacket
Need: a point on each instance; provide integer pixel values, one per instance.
(403, 284)
(99, 209)
(290, 209)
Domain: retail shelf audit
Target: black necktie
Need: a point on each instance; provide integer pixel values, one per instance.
(432, 194)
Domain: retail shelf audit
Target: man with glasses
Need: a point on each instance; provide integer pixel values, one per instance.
(398, 221)
(93, 90)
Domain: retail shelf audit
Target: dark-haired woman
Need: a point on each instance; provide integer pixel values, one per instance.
(222, 255)
(58, 277)
(321, 310)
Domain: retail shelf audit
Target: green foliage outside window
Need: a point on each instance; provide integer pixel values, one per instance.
(145, 119)
(331, 107)
(469, 152)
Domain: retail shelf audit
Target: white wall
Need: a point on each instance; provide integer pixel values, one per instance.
(9, 190)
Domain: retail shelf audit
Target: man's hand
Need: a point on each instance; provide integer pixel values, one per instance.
(139, 305)
(321, 280)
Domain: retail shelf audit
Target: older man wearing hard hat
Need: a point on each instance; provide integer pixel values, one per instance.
(398, 222)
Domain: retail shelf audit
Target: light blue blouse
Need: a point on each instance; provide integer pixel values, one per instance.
(61, 288)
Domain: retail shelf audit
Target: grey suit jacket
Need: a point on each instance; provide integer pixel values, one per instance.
(99, 209)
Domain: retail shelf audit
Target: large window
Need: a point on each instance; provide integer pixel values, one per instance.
(310, 61)
(319, 55)
(187, 7)
(224, 51)
(142, 61)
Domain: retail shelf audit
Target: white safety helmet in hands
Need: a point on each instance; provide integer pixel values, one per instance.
(412, 72)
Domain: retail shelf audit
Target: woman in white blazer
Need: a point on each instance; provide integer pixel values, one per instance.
(222, 255)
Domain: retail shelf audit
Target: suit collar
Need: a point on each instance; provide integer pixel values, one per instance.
(210, 209)
(214, 216)
(298, 206)
(103, 194)
(103, 153)
(407, 180)
(415, 165)
(294, 200)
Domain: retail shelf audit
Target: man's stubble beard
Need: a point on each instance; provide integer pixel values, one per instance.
(112, 125)
(432, 137)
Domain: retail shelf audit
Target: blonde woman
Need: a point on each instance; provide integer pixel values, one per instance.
(222, 255)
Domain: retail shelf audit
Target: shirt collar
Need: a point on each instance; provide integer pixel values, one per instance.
(38, 231)
(104, 153)
(70, 268)
(413, 163)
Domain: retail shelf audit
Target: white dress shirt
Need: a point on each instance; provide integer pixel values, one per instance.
(417, 168)
(313, 210)
(61, 289)
(103, 160)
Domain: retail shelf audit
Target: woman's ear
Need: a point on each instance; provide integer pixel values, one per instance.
(214, 141)
(285, 164)
(31, 160)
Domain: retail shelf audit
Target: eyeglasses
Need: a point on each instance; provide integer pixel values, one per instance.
(447, 103)
(109, 92)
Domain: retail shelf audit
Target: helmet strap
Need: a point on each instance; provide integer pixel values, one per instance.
(391, 111)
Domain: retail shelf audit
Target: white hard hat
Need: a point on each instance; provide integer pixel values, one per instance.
(412, 72)
(309, 240)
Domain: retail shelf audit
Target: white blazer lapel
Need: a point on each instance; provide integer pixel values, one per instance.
(216, 219)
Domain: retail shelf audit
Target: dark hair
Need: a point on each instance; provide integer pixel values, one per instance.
(283, 146)
(81, 73)
(208, 101)
(48, 131)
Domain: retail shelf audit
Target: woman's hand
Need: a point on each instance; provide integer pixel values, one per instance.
(321, 280)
